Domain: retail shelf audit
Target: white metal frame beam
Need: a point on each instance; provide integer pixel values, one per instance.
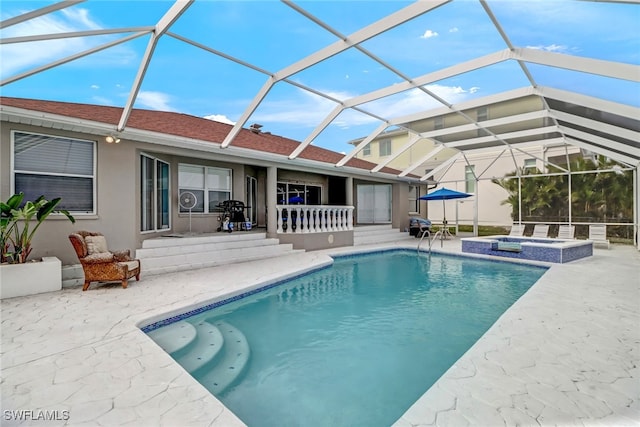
(163, 25)
(38, 12)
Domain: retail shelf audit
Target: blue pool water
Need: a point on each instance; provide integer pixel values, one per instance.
(355, 344)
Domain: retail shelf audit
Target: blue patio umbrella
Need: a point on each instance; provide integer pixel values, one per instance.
(445, 194)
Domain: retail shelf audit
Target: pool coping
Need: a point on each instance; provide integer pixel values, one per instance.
(83, 352)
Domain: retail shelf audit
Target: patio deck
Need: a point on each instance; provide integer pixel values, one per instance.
(567, 352)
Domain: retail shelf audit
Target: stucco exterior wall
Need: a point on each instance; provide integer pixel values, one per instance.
(117, 191)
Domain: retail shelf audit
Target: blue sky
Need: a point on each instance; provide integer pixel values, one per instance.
(271, 35)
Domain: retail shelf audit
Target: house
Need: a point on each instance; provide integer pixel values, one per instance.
(127, 184)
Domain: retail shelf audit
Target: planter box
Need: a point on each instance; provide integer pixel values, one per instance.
(18, 280)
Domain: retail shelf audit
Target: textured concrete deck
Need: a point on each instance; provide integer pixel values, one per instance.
(566, 353)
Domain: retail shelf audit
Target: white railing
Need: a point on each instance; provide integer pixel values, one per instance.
(314, 218)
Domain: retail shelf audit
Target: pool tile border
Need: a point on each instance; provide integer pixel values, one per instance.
(224, 301)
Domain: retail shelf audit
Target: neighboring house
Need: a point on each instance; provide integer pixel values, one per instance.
(129, 188)
(436, 154)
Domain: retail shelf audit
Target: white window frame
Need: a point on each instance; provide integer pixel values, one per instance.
(205, 189)
(93, 177)
(366, 151)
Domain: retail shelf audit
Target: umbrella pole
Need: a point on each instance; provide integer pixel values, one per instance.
(445, 228)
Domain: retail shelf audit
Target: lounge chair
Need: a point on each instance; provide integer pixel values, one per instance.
(100, 264)
(567, 232)
(517, 230)
(540, 231)
(598, 234)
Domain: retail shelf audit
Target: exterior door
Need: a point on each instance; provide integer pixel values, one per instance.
(374, 204)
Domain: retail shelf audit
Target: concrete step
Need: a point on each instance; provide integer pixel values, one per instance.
(186, 240)
(203, 246)
(379, 236)
(172, 254)
(232, 363)
(371, 228)
(174, 263)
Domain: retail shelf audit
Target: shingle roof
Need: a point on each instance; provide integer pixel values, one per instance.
(187, 126)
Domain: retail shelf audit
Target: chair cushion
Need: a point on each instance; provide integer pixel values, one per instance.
(96, 244)
(131, 265)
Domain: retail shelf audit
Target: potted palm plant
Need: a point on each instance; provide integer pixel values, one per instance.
(19, 222)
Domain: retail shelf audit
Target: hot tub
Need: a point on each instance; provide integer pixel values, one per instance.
(547, 250)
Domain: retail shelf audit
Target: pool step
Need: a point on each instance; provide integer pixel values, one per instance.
(202, 350)
(174, 337)
(231, 364)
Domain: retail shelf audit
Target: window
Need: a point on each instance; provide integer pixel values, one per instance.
(470, 179)
(366, 151)
(210, 185)
(482, 115)
(414, 199)
(55, 166)
(438, 123)
(530, 164)
(385, 148)
(299, 194)
(155, 205)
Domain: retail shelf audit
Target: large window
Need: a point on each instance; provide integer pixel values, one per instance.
(385, 148)
(470, 179)
(54, 166)
(210, 185)
(155, 203)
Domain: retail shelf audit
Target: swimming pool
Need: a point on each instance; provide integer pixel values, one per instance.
(353, 344)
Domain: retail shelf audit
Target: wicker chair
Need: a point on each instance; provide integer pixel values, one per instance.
(100, 264)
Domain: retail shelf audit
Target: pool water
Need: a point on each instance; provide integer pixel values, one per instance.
(356, 344)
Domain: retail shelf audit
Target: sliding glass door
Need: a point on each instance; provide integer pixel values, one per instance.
(374, 204)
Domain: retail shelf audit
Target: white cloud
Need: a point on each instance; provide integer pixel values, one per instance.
(18, 57)
(220, 118)
(306, 109)
(95, 87)
(453, 30)
(551, 48)
(429, 34)
(154, 100)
